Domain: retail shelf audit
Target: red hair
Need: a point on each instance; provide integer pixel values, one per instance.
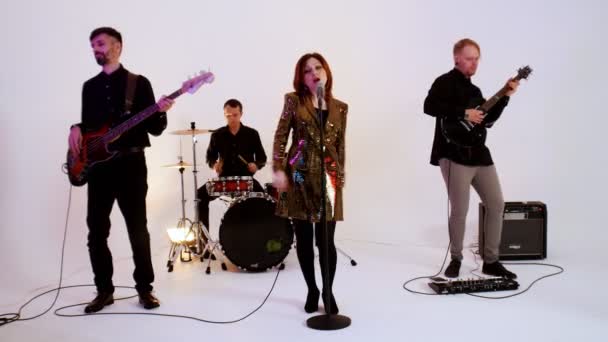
(298, 78)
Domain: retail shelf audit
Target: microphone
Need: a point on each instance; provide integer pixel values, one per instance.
(320, 90)
(320, 96)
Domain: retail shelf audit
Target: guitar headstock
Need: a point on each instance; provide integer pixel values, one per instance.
(523, 73)
(194, 83)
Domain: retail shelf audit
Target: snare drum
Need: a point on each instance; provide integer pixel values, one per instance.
(252, 236)
(232, 186)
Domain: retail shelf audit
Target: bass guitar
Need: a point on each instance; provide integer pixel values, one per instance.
(94, 148)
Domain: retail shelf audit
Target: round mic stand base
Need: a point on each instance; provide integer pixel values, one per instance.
(328, 322)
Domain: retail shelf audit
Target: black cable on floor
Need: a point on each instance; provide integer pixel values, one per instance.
(7, 318)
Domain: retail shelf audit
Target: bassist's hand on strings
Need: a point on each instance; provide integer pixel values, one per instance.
(75, 140)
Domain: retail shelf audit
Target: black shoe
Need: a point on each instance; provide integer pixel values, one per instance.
(453, 269)
(334, 306)
(148, 300)
(498, 270)
(312, 301)
(102, 299)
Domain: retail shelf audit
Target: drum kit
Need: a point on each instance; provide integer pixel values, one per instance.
(250, 235)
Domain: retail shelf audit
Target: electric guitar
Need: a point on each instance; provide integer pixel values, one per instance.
(94, 148)
(466, 134)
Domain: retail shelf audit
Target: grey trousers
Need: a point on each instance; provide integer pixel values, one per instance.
(484, 179)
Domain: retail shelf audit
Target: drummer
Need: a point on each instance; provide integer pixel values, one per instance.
(234, 150)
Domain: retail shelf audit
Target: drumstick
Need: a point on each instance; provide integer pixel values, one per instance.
(243, 159)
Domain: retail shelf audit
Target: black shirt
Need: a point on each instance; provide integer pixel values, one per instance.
(228, 147)
(325, 115)
(103, 103)
(450, 95)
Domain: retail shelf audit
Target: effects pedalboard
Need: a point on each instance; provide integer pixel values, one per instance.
(443, 286)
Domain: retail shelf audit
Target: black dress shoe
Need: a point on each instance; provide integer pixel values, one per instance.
(498, 270)
(148, 300)
(102, 299)
(453, 269)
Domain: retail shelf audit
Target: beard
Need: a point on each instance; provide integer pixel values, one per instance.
(101, 59)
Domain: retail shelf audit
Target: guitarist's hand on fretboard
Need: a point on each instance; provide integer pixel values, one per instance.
(512, 85)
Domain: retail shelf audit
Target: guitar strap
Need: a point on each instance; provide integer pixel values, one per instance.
(130, 94)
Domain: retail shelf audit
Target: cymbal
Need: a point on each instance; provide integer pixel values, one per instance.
(195, 131)
(178, 165)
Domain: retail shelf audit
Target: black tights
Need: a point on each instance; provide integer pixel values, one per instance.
(306, 254)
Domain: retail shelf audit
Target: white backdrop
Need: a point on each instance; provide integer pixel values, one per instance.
(384, 56)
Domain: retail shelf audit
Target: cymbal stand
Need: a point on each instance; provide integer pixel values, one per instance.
(180, 247)
(204, 241)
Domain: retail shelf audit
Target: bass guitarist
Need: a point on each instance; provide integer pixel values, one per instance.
(452, 95)
(123, 178)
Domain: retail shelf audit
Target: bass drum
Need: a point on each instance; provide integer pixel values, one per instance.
(252, 236)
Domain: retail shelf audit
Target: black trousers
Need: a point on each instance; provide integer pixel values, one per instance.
(124, 179)
(205, 198)
(306, 255)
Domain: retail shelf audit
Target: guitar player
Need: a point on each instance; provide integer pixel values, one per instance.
(110, 98)
(451, 95)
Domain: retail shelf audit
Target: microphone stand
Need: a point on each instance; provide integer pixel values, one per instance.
(326, 321)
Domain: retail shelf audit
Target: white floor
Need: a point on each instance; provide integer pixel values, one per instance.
(568, 307)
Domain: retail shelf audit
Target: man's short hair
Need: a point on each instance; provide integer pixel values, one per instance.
(107, 30)
(465, 42)
(234, 103)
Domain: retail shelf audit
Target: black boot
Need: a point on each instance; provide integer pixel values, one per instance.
(306, 258)
(334, 307)
(327, 258)
(312, 301)
(453, 269)
(498, 270)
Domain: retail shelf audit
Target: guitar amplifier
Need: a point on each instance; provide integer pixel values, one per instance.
(524, 231)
